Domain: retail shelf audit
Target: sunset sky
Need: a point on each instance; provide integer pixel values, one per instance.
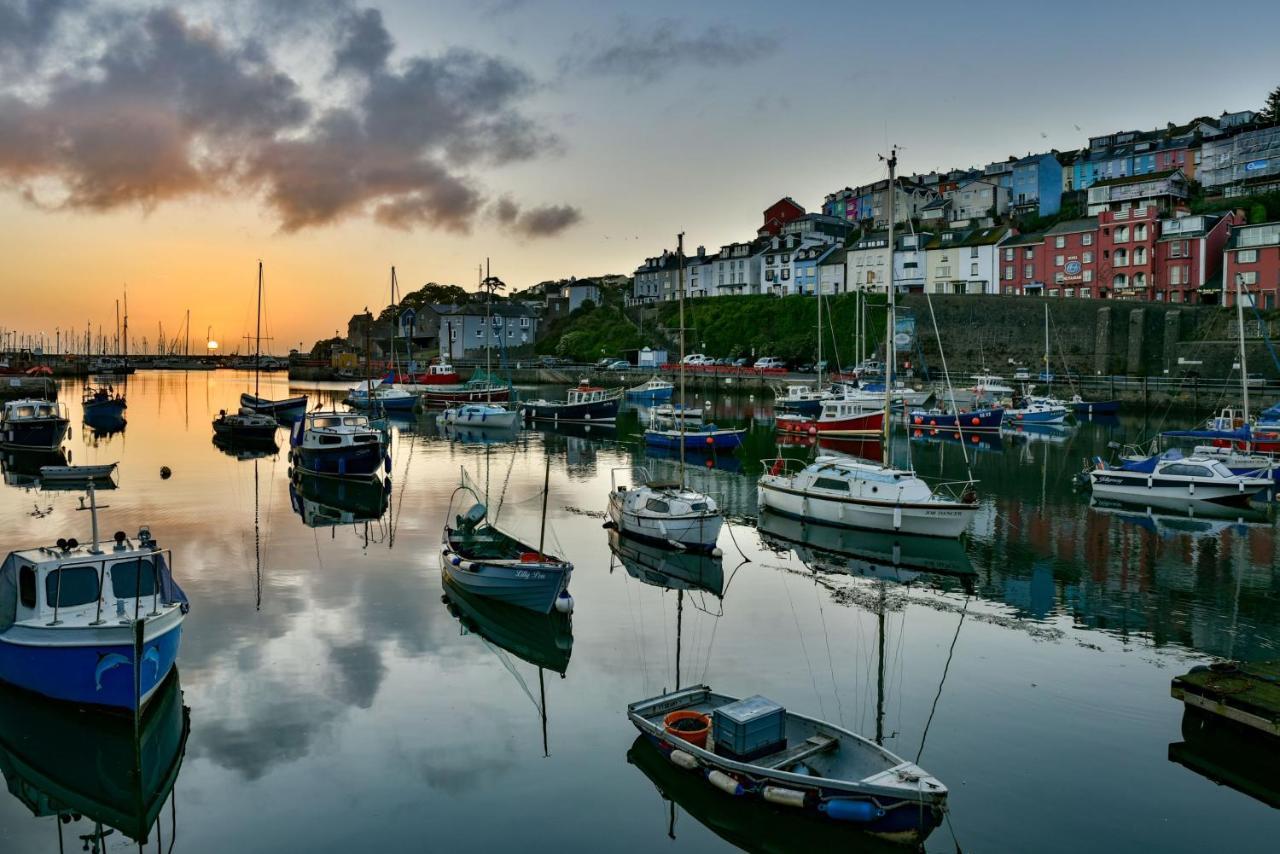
(169, 147)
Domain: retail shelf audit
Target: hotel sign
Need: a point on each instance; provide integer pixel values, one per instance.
(1071, 269)
(1255, 165)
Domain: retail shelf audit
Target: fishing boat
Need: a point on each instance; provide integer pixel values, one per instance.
(838, 417)
(1174, 478)
(341, 444)
(286, 409)
(480, 415)
(381, 395)
(481, 388)
(245, 426)
(799, 399)
(705, 438)
(91, 625)
(481, 559)
(762, 751)
(71, 765)
(78, 474)
(990, 387)
(438, 375)
(102, 402)
(1036, 410)
(664, 512)
(585, 403)
(651, 391)
(964, 421)
(34, 424)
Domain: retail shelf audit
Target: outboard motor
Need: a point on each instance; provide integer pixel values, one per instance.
(470, 520)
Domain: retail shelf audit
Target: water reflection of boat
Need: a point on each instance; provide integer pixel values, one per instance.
(747, 824)
(543, 640)
(1054, 434)
(22, 468)
(1175, 516)
(68, 762)
(972, 441)
(1229, 755)
(668, 568)
(246, 450)
(493, 435)
(724, 462)
(871, 554)
(323, 502)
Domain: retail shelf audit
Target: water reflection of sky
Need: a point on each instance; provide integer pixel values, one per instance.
(349, 709)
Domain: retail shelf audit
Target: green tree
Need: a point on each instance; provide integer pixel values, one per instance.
(1271, 108)
(1258, 213)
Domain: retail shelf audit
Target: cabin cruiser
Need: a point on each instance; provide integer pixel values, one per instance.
(665, 512)
(341, 444)
(840, 416)
(583, 403)
(1173, 477)
(33, 424)
(380, 394)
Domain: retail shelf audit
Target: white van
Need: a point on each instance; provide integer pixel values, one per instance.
(696, 359)
(770, 362)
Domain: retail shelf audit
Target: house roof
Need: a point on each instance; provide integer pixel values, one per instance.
(502, 309)
(939, 203)
(837, 255)
(1031, 238)
(1071, 226)
(1135, 179)
(986, 236)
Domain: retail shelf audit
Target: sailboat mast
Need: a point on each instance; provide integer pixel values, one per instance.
(880, 670)
(890, 357)
(819, 363)
(117, 328)
(1047, 380)
(679, 414)
(1244, 370)
(257, 339)
(186, 347)
(546, 491)
(126, 328)
(488, 331)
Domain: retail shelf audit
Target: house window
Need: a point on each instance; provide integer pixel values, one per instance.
(1249, 278)
(1058, 260)
(1175, 275)
(768, 259)
(1088, 276)
(1008, 271)
(1140, 255)
(1069, 292)
(1087, 258)
(973, 269)
(1122, 233)
(1086, 293)
(1121, 258)
(1059, 242)
(453, 335)
(786, 273)
(1120, 281)
(1058, 278)
(1028, 271)
(973, 252)
(1247, 256)
(1140, 231)
(480, 332)
(524, 323)
(1008, 254)
(1053, 292)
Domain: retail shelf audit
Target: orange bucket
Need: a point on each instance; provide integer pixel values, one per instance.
(693, 727)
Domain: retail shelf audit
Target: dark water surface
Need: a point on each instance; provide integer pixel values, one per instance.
(337, 704)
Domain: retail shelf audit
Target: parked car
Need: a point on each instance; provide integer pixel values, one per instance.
(618, 365)
(806, 368)
(551, 361)
(696, 359)
(770, 362)
(1022, 375)
(604, 363)
(741, 362)
(1255, 381)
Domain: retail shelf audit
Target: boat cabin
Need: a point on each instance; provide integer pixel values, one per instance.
(75, 585)
(587, 393)
(31, 409)
(839, 477)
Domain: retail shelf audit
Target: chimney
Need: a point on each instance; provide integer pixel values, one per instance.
(702, 251)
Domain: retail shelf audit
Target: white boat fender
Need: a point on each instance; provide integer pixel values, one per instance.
(564, 602)
(724, 782)
(849, 809)
(784, 797)
(684, 760)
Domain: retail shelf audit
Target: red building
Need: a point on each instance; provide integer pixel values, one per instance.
(779, 214)
(1189, 253)
(1253, 254)
(1127, 243)
(1022, 265)
(1072, 267)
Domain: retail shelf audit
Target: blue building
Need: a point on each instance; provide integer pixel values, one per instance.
(807, 259)
(1037, 185)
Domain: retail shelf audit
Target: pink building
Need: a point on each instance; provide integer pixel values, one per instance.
(1189, 253)
(1127, 243)
(1253, 254)
(1072, 265)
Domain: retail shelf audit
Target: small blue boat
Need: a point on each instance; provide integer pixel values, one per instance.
(102, 403)
(651, 391)
(979, 420)
(706, 438)
(339, 444)
(90, 625)
(483, 560)
(1092, 408)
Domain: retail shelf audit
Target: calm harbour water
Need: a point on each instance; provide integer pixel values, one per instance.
(336, 703)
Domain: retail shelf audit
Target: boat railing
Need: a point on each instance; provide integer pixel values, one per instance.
(960, 491)
(783, 466)
(158, 556)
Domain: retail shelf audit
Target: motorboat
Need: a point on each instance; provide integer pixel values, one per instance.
(99, 474)
(1036, 410)
(985, 420)
(675, 411)
(481, 388)
(1091, 408)
(493, 415)
(96, 624)
(704, 438)
(1170, 477)
(245, 426)
(380, 394)
(439, 375)
(33, 423)
(341, 444)
(839, 417)
(585, 403)
(665, 512)
(652, 390)
(800, 399)
(801, 763)
(861, 494)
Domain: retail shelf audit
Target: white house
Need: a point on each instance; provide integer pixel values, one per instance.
(737, 268)
(965, 261)
(781, 262)
(831, 272)
(981, 197)
(909, 261)
(867, 262)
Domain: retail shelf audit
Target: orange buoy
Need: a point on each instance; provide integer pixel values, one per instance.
(974, 421)
(693, 727)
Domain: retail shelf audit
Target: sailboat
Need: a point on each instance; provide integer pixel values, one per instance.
(668, 512)
(861, 494)
(285, 409)
(249, 426)
(488, 413)
(383, 395)
(1039, 409)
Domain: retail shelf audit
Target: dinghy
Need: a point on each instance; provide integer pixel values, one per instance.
(76, 474)
(755, 749)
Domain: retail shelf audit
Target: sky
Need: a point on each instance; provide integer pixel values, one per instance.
(166, 149)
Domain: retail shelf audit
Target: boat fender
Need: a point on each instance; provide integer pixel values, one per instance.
(784, 797)
(455, 560)
(724, 783)
(386, 463)
(848, 809)
(564, 602)
(684, 760)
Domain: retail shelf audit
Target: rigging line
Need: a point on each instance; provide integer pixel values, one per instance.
(947, 667)
(1262, 326)
(510, 668)
(831, 664)
(946, 376)
(734, 540)
(395, 515)
(803, 648)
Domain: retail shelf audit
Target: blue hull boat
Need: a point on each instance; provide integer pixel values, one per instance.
(349, 461)
(649, 395)
(289, 409)
(707, 439)
(979, 420)
(800, 407)
(1095, 407)
(43, 434)
(1045, 416)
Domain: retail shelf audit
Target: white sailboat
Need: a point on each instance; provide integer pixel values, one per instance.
(860, 494)
(668, 512)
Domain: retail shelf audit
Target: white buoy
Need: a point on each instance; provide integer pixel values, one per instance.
(564, 603)
(724, 782)
(684, 760)
(784, 797)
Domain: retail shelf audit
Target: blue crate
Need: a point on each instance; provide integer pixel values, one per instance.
(750, 728)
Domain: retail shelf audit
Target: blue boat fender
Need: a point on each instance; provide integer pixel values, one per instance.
(848, 809)
(386, 463)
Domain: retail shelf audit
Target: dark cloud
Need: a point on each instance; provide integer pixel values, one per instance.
(27, 25)
(169, 109)
(644, 55)
(542, 221)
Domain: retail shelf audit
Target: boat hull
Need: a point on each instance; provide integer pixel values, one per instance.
(866, 424)
(1048, 416)
(104, 409)
(390, 404)
(979, 420)
(593, 411)
(344, 461)
(432, 397)
(1097, 407)
(695, 440)
(927, 519)
(478, 417)
(288, 409)
(1144, 488)
(91, 673)
(650, 396)
(41, 434)
(534, 586)
(799, 407)
(696, 532)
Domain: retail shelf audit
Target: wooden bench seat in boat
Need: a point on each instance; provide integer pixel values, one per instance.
(812, 745)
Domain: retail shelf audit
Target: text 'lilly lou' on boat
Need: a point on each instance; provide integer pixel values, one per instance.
(91, 625)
